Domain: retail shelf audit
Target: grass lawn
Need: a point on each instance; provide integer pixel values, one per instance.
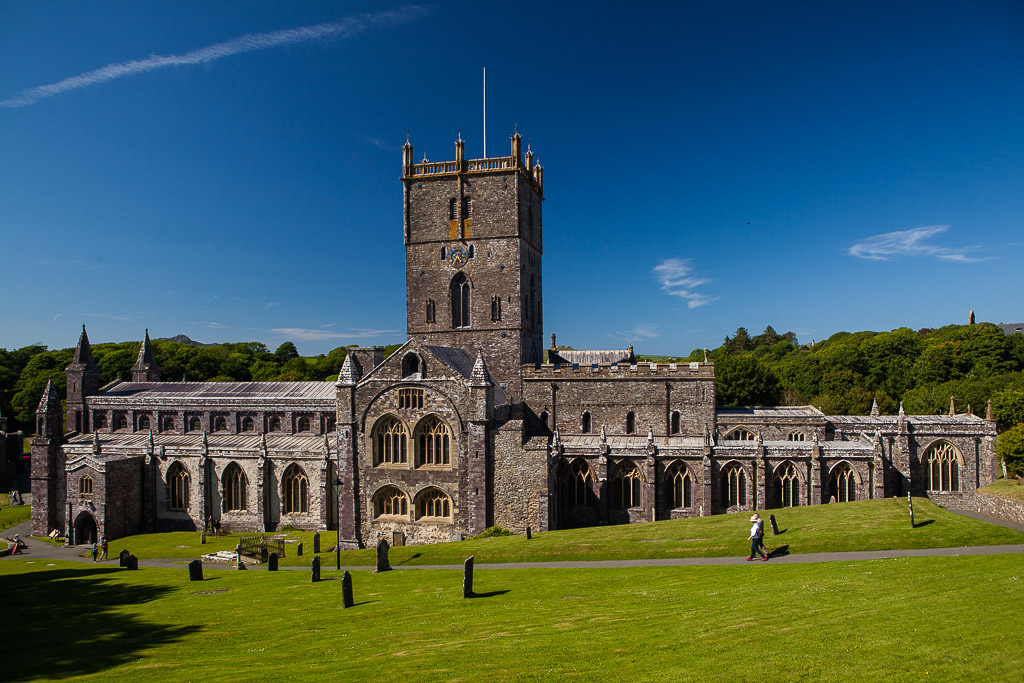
(862, 525)
(1006, 488)
(9, 516)
(186, 546)
(898, 619)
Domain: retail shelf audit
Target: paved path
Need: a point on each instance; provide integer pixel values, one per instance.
(38, 550)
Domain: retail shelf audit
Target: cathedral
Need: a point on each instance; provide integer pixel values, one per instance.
(471, 423)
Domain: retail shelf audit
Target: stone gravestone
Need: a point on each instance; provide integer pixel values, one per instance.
(133, 563)
(910, 505)
(316, 543)
(123, 558)
(202, 538)
(467, 578)
(382, 556)
(238, 557)
(195, 570)
(528, 534)
(316, 569)
(298, 549)
(272, 562)
(775, 526)
(346, 590)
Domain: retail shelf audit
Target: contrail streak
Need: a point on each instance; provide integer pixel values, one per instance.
(248, 43)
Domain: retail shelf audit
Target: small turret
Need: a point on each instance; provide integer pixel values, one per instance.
(145, 368)
(517, 147)
(350, 374)
(407, 157)
(479, 377)
(83, 380)
(460, 152)
(970, 318)
(49, 421)
(989, 417)
(529, 159)
(874, 407)
(553, 347)
(952, 405)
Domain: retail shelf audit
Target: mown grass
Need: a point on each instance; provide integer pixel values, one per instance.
(862, 525)
(185, 545)
(11, 515)
(897, 619)
(1005, 488)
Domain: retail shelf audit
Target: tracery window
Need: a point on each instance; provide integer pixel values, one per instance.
(433, 442)
(842, 484)
(580, 482)
(85, 486)
(234, 483)
(495, 308)
(734, 485)
(787, 486)
(389, 442)
(680, 485)
(796, 436)
(677, 422)
(585, 423)
(460, 301)
(740, 434)
(942, 463)
(248, 424)
(432, 308)
(295, 487)
(631, 422)
(409, 399)
(390, 502)
(625, 485)
(178, 485)
(143, 423)
(433, 503)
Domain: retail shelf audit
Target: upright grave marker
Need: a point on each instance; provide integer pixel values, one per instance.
(316, 569)
(775, 526)
(316, 543)
(195, 570)
(467, 578)
(346, 590)
(272, 562)
(382, 556)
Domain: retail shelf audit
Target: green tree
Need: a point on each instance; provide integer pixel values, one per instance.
(1008, 406)
(285, 352)
(1010, 448)
(745, 380)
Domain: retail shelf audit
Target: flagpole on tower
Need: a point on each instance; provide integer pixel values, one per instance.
(485, 112)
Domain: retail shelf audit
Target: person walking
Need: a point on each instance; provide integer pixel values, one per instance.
(95, 551)
(756, 534)
(103, 545)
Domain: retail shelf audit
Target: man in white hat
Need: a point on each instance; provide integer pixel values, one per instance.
(756, 533)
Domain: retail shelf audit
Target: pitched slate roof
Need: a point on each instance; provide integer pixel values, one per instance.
(590, 357)
(139, 442)
(287, 391)
(459, 360)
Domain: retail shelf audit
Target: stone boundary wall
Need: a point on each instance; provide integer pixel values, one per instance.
(1005, 509)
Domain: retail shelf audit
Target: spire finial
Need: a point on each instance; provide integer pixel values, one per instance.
(874, 406)
(407, 136)
(460, 135)
(988, 411)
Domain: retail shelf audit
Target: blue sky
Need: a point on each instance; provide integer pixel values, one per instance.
(230, 171)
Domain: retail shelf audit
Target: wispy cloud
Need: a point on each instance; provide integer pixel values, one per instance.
(306, 334)
(378, 143)
(271, 304)
(252, 42)
(55, 318)
(675, 275)
(641, 332)
(209, 323)
(911, 242)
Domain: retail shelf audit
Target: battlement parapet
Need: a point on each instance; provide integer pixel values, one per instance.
(620, 370)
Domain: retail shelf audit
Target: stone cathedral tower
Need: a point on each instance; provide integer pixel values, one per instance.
(473, 246)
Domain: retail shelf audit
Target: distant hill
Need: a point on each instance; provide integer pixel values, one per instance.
(184, 339)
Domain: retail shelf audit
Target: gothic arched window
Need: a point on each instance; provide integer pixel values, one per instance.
(585, 423)
(234, 483)
(495, 308)
(410, 365)
(787, 486)
(842, 484)
(390, 502)
(431, 315)
(734, 485)
(85, 486)
(631, 422)
(625, 486)
(579, 482)
(796, 435)
(680, 485)
(433, 504)
(178, 484)
(942, 463)
(460, 301)
(389, 442)
(120, 421)
(295, 489)
(433, 442)
(677, 422)
(740, 434)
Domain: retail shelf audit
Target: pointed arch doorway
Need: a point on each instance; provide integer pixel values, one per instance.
(85, 529)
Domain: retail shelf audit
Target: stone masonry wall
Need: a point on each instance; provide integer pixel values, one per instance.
(520, 481)
(1005, 509)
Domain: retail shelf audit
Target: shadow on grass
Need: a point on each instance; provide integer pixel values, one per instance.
(409, 559)
(924, 522)
(488, 594)
(779, 552)
(66, 622)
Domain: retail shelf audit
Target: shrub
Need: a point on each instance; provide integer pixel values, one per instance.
(493, 531)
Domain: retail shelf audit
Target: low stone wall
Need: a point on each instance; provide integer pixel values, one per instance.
(985, 504)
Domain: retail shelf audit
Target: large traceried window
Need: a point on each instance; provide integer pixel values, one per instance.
(178, 485)
(625, 486)
(579, 484)
(433, 442)
(796, 436)
(390, 501)
(787, 486)
(842, 484)
(740, 434)
(942, 463)
(234, 483)
(680, 485)
(734, 485)
(85, 486)
(295, 490)
(390, 442)
(460, 301)
(433, 504)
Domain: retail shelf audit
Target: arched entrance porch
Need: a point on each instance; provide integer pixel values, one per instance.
(85, 529)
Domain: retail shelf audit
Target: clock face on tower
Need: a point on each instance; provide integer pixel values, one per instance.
(458, 257)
